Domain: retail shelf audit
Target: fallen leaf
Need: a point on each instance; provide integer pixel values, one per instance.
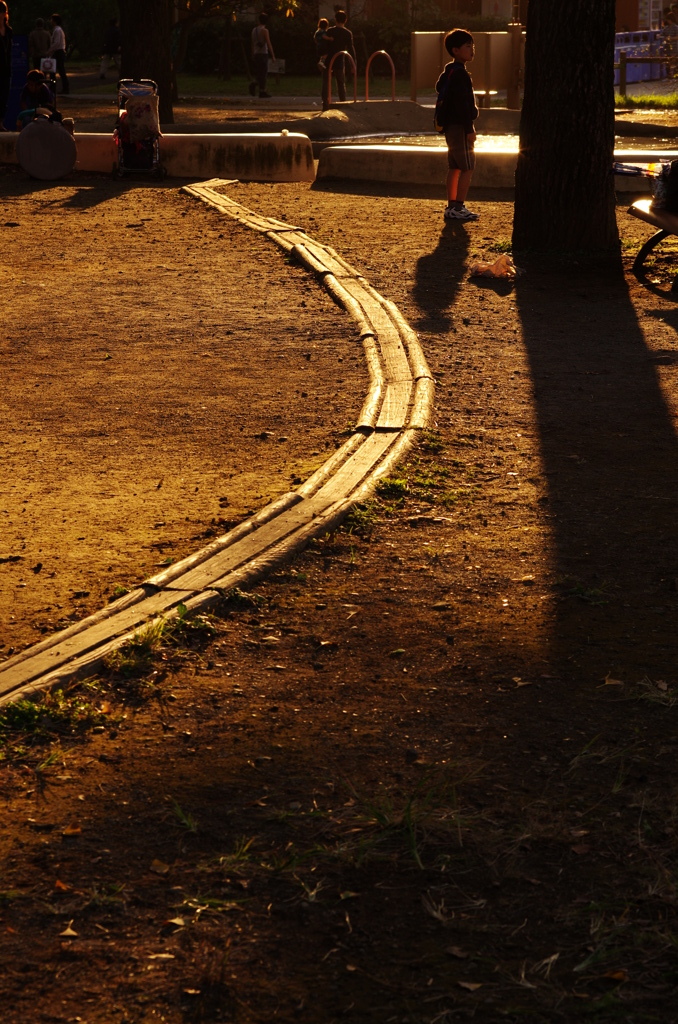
(61, 885)
(661, 685)
(192, 991)
(161, 956)
(177, 922)
(460, 954)
(398, 651)
(620, 975)
(72, 830)
(609, 681)
(159, 867)
(68, 932)
(351, 967)
(348, 895)
(471, 986)
(581, 849)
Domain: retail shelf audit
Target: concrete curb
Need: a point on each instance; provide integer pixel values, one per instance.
(398, 406)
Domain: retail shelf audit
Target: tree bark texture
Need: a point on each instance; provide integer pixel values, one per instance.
(564, 182)
(146, 47)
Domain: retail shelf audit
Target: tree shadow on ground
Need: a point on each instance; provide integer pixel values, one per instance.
(611, 460)
(87, 191)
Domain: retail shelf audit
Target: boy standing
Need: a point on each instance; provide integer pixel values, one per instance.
(457, 115)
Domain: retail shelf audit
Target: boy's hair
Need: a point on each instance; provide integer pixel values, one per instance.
(340, 17)
(56, 18)
(323, 23)
(456, 38)
(35, 76)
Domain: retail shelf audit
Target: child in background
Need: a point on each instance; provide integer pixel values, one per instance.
(321, 44)
(458, 114)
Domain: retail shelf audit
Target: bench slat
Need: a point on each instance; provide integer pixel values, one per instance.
(660, 218)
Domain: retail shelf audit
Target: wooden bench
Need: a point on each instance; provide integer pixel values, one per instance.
(667, 224)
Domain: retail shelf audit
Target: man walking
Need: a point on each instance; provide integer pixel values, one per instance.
(112, 46)
(57, 49)
(339, 38)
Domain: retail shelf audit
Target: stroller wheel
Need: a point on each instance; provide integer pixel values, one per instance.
(161, 172)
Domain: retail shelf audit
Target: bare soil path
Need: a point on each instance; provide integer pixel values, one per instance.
(427, 773)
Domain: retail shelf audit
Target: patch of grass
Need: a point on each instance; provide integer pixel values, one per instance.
(501, 245)
(191, 626)
(649, 101)
(392, 487)
(570, 586)
(241, 599)
(184, 818)
(57, 713)
(135, 658)
(362, 518)
(118, 591)
(454, 497)
(657, 692)
(431, 442)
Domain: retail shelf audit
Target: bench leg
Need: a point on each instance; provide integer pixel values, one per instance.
(658, 237)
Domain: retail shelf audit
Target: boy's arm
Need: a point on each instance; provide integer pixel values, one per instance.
(462, 105)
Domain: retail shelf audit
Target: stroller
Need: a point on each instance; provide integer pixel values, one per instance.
(137, 130)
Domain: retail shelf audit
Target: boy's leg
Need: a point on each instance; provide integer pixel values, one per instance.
(458, 184)
(460, 162)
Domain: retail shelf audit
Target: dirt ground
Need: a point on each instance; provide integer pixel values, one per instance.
(427, 772)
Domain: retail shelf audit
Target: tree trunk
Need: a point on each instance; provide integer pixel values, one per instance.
(146, 47)
(564, 182)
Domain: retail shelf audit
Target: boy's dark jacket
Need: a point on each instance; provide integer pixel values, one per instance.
(459, 106)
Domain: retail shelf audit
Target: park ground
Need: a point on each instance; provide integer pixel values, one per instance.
(426, 772)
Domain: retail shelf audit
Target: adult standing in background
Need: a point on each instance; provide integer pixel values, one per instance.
(262, 49)
(339, 38)
(112, 47)
(5, 60)
(57, 49)
(38, 43)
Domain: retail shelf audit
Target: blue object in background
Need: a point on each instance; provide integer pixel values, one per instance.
(19, 72)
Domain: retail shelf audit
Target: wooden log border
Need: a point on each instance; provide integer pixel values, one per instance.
(397, 406)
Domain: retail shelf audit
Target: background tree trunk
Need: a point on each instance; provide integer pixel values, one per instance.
(146, 47)
(564, 185)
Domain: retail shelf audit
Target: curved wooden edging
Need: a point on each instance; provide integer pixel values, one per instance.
(397, 406)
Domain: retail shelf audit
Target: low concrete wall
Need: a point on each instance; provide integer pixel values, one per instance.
(413, 165)
(261, 157)
(427, 165)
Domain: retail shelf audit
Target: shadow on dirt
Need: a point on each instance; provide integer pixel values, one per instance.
(438, 277)
(611, 459)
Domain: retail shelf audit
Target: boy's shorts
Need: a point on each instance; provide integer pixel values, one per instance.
(460, 153)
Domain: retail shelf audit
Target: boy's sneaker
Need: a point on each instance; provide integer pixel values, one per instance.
(460, 213)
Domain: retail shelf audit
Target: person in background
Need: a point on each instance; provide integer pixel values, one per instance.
(262, 49)
(36, 100)
(112, 47)
(38, 43)
(5, 60)
(57, 49)
(321, 43)
(339, 38)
